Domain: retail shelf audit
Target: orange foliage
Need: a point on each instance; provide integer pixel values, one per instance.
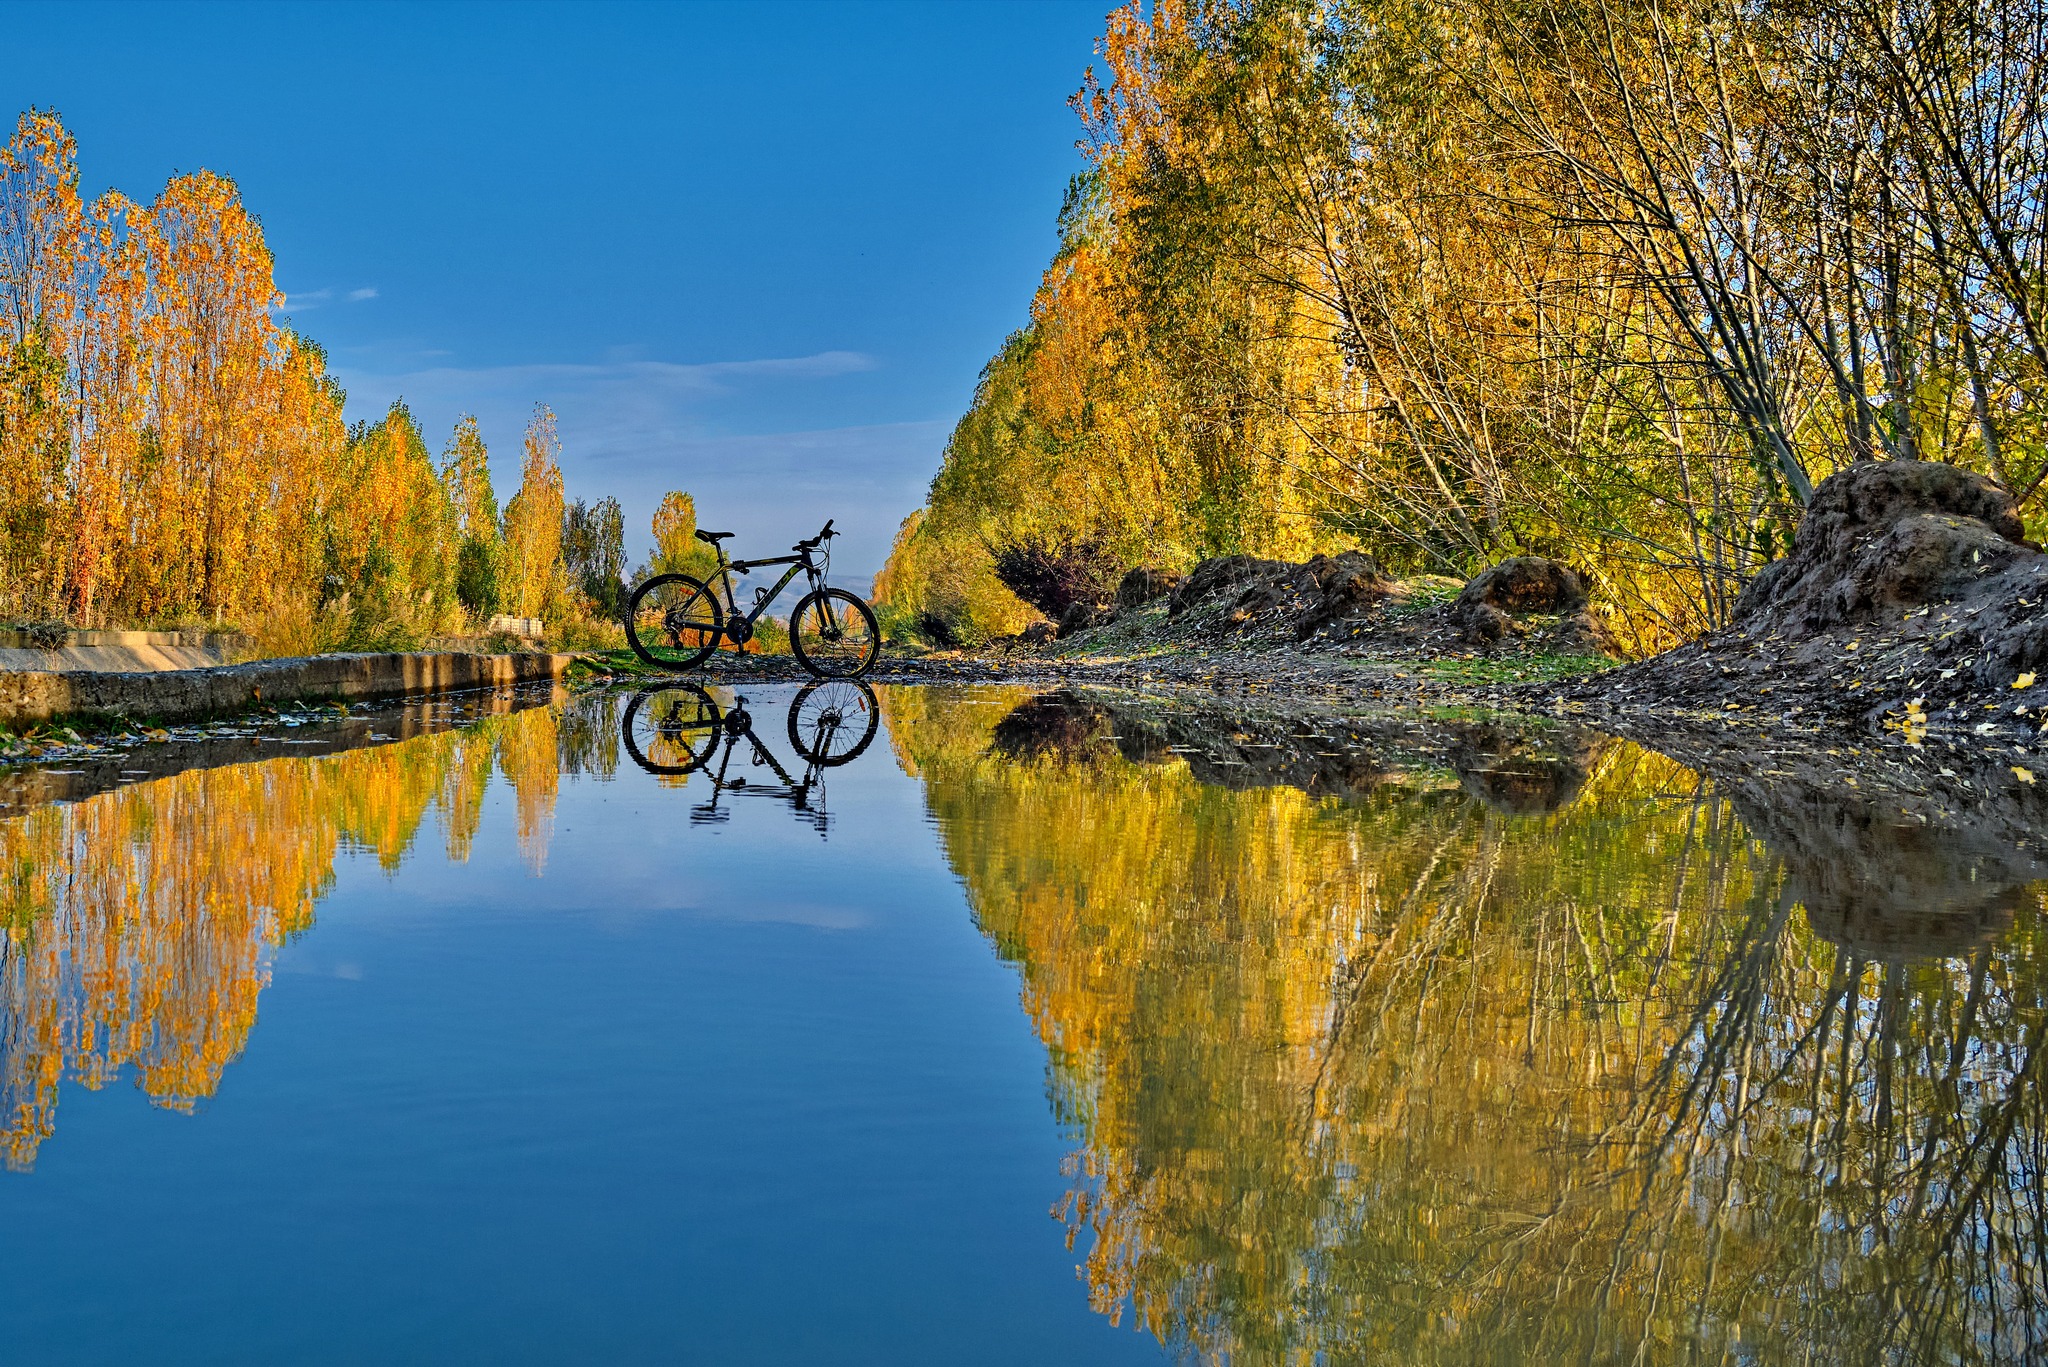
(139, 924)
(170, 452)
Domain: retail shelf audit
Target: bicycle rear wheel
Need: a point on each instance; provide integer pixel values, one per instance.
(673, 621)
(672, 730)
(832, 721)
(834, 634)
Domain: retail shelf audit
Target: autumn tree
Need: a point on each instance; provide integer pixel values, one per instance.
(676, 547)
(466, 469)
(594, 553)
(392, 546)
(1460, 279)
(533, 523)
(40, 225)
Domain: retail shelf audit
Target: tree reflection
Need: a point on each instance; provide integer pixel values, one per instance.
(140, 922)
(1502, 1047)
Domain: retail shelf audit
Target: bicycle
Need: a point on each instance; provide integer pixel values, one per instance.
(678, 729)
(674, 621)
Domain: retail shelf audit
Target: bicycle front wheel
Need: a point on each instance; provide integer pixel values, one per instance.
(672, 730)
(834, 634)
(832, 720)
(673, 622)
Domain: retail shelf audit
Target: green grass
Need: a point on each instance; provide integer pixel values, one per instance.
(1513, 669)
(1423, 592)
(612, 662)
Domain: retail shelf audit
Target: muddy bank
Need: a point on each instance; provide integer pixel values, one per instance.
(1911, 604)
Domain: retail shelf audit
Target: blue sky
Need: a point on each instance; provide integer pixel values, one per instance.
(759, 252)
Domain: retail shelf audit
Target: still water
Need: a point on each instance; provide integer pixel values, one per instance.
(992, 1026)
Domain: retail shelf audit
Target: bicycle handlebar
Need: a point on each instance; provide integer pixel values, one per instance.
(812, 543)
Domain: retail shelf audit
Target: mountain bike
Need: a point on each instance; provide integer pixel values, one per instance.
(674, 621)
(679, 729)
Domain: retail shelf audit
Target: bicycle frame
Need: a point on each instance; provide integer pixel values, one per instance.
(801, 563)
(737, 727)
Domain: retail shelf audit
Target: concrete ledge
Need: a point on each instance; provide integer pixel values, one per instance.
(24, 787)
(25, 639)
(118, 652)
(108, 659)
(31, 696)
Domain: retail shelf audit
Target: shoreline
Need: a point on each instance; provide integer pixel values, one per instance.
(1950, 772)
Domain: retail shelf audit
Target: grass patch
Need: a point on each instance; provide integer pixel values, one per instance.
(617, 662)
(1421, 593)
(1513, 669)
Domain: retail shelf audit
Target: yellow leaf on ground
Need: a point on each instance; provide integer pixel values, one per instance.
(2025, 680)
(2023, 775)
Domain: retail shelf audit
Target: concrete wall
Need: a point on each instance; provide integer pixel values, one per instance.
(118, 651)
(31, 696)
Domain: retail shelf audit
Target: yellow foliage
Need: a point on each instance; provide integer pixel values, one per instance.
(1399, 1077)
(139, 923)
(170, 453)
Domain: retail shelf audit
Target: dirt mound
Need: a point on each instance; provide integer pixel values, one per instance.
(1223, 573)
(1493, 605)
(1885, 536)
(1081, 616)
(1909, 600)
(1349, 604)
(1248, 596)
(1142, 586)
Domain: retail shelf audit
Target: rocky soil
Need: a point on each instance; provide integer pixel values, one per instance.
(1343, 603)
(1911, 606)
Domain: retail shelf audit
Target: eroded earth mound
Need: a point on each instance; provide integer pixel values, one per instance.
(1910, 599)
(1531, 596)
(1522, 606)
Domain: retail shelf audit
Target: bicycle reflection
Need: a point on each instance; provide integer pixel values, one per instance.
(681, 728)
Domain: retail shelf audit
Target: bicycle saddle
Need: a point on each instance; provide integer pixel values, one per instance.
(712, 538)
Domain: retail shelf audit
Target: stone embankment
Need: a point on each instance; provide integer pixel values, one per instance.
(31, 697)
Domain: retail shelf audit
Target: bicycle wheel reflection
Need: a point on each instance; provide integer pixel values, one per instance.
(672, 730)
(832, 721)
(683, 729)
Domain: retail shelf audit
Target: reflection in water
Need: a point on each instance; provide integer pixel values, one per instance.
(677, 729)
(140, 920)
(1429, 1041)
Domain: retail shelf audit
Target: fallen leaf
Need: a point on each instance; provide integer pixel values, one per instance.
(2025, 680)
(2023, 775)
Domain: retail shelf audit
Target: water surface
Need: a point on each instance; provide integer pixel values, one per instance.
(1044, 1028)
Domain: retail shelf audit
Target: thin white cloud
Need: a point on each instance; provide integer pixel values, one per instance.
(306, 301)
(667, 378)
